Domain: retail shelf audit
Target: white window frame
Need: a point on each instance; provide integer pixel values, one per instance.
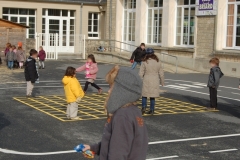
(153, 9)
(234, 27)
(128, 10)
(20, 16)
(92, 27)
(182, 25)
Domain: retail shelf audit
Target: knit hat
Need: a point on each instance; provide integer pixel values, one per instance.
(149, 51)
(19, 44)
(127, 88)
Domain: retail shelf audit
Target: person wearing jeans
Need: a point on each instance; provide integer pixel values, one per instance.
(152, 74)
(10, 57)
(10, 64)
(138, 55)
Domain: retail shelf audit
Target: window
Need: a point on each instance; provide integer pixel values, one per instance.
(129, 20)
(155, 10)
(93, 25)
(185, 22)
(233, 24)
(22, 16)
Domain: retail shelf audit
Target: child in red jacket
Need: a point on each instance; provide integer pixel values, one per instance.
(41, 56)
(91, 70)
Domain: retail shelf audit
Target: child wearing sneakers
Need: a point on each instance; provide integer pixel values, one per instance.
(73, 92)
(91, 70)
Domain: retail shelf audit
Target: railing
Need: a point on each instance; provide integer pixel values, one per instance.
(111, 46)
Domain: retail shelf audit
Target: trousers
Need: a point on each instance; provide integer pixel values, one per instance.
(135, 64)
(30, 87)
(72, 110)
(152, 103)
(92, 83)
(213, 97)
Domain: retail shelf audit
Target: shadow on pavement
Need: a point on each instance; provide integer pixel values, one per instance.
(231, 108)
(3, 121)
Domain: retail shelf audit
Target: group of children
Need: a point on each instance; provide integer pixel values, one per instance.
(16, 57)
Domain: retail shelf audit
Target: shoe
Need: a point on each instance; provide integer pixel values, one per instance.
(75, 118)
(40, 67)
(150, 112)
(143, 111)
(100, 91)
(30, 96)
(43, 68)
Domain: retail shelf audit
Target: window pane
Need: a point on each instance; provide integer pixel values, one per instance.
(14, 19)
(32, 20)
(71, 21)
(192, 1)
(54, 12)
(185, 26)
(65, 13)
(5, 17)
(5, 10)
(31, 36)
(13, 11)
(23, 11)
(179, 26)
(44, 12)
(95, 28)
(192, 23)
(23, 20)
(95, 16)
(31, 12)
(89, 22)
(95, 22)
(72, 13)
(183, 2)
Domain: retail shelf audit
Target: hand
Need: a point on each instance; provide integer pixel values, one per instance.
(87, 147)
(131, 61)
(78, 99)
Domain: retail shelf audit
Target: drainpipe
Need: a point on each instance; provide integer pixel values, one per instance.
(81, 18)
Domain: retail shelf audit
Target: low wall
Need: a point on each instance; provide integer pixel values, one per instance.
(30, 44)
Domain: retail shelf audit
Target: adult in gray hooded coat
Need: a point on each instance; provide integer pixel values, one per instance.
(125, 135)
(152, 73)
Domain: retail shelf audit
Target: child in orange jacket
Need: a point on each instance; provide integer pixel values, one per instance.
(73, 92)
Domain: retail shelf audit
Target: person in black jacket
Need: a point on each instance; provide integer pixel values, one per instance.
(213, 82)
(138, 55)
(31, 74)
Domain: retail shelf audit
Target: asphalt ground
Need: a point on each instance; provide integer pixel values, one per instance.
(187, 135)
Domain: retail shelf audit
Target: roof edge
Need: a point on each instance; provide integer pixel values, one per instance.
(21, 25)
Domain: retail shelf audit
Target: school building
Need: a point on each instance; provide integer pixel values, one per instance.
(192, 30)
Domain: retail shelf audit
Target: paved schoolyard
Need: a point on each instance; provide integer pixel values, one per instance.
(181, 130)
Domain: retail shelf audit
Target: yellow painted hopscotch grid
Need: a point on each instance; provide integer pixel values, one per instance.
(91, 106)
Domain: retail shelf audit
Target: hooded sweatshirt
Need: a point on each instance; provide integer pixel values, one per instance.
(125, 135)
(214, 77)
(30, 71)
(72, 89)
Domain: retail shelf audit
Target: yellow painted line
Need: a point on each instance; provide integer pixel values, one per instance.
(37, 109)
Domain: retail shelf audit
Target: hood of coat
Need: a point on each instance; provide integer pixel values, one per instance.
(218, 69)
(30, 59)
(126, 87)
(66, 79)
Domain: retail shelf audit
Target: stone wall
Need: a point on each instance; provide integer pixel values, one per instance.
(205, 36)
(110, 14)
(30, 44)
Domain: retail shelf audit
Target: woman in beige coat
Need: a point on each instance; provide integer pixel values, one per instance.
(152, 74)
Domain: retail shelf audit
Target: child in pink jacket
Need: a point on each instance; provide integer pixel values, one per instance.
(91, 70)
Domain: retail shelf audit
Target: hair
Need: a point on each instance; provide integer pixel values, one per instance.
(8, 45)
(33, 52)
(91, 56)
(152, 56)
(19, 48)
(13, 46)
(41, 47)
(142, 44)
(215, 60)
(71, 71)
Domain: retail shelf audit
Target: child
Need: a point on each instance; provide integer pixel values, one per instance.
(213, 82)
(21, 58)
(137, 55)
(8, 45)
(31, 74)
(125, 134)
(73, 92)
(15, 63)
(41, 56)
(10, 57)
(91, 70)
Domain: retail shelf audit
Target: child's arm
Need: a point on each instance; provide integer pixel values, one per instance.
(94, 70)
(32, 71)
(80, 69)
(77, 91)
(133, 55)
(216, 75)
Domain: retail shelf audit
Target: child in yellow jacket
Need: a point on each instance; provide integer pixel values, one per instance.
(73, 92)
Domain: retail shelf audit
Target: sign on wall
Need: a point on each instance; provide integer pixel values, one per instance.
(206, 7)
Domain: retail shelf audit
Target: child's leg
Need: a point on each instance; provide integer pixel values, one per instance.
(8, 64)
(68, 111)
(95, 86)
(152, 104)
(213, 97)
(30, 87)
(43, 64)
(134, 65)
(86, 86)
(73, 109)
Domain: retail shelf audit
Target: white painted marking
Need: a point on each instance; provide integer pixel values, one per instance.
(194, 139)
(205, 93)
(163, 158)
(226, 150)
(35, 154)
(235, 93)
(47, 81)
(176, 86)
(187, 85)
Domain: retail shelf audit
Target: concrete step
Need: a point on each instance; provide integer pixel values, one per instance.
(70, 56)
